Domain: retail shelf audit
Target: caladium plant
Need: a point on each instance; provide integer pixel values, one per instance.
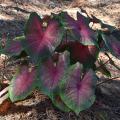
(64, 52)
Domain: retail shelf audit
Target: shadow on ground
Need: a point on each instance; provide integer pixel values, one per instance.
(12, 28)
(107, 106)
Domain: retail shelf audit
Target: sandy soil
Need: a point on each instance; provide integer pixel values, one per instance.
(37, 106)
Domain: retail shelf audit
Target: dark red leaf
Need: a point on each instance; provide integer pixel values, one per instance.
(78, 52)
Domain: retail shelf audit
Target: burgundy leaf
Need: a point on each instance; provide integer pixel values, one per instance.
(22, 84)
(78, 52)
(86, 54)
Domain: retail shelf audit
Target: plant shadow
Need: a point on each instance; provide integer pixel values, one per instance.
(12, 28)
(107, 94)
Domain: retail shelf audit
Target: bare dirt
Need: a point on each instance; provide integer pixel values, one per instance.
(13, 14)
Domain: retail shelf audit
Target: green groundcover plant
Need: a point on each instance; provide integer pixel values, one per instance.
(61, 53)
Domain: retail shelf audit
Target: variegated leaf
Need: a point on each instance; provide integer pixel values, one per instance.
(78, 89)
(22, 84)
(51, 72)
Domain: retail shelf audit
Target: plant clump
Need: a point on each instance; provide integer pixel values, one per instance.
(62, 54)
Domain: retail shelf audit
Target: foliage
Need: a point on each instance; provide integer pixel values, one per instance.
(63, 52)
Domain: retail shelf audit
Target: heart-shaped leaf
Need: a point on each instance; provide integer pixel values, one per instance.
(112, 44)
(77, 90)
(51, 72)
(88, 36)
(22, 84)
(40, 42)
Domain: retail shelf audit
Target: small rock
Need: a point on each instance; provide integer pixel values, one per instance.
(29, 114)
(3, 57)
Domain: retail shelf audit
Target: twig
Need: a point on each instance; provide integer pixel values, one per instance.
(111, 61)
(107, 80)
(102, 64)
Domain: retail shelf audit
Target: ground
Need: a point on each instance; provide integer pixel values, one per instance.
(13, 15)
